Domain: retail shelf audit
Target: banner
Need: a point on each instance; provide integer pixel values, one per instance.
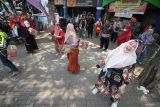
(142, 8)
(123, 14)
(58, 2)
(86, 3)
(123, 4)
(128, 6)
(81, 3)
(37, 4)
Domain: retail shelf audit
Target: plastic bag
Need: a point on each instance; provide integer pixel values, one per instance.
(12, 51)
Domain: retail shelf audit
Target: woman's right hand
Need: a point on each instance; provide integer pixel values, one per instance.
(102, 61)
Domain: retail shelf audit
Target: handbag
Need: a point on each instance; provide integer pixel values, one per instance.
(98, 29)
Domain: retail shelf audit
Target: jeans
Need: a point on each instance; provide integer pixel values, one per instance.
(8, 63)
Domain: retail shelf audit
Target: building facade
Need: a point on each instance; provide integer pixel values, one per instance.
(75, 7)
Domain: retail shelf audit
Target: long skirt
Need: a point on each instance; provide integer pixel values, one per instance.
(31, 44)
(107, 90)
(73, 65)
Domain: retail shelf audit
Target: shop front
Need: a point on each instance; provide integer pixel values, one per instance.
(76, 7)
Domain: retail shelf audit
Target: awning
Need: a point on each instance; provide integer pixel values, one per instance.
(106, 2)
(37, 4)
(154, 2)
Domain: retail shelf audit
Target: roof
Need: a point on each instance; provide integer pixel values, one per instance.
(106, 2)
(154, 2)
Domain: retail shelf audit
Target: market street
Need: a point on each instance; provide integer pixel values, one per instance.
(45, 82)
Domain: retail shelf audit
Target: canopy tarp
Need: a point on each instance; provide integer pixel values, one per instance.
(154, 2)
(106, 2)
(37, 4)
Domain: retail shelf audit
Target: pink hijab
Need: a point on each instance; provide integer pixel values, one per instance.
(70, 32)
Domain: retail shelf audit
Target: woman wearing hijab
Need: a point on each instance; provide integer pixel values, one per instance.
(113, 71)
(58, 36)
(124, 55)
(72, 42)
(147, 39)
(30, 41)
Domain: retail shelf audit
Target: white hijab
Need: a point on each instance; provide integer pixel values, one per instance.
(117, 58)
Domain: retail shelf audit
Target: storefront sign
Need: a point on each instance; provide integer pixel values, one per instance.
(81, 3)
(86, 3)
(123, 14)
(58, 2)
(124, 8)
(139, 10)
(71, 3)
(123, 4)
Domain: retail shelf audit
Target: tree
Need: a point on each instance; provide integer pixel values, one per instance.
(150, 76)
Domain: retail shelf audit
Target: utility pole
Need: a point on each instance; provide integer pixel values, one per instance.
(51, 16)
(65, 8)
(99, 9)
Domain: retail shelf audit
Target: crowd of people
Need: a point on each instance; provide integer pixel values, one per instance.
(116, 67)
(116, 31)
(12, 31)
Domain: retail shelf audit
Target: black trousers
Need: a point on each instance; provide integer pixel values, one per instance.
(90, 32)
(104, 42)
(7, 62)
(114, 36)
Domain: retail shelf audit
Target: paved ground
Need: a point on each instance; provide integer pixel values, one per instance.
(44, 81)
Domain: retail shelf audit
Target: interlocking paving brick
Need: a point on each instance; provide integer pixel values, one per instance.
(45, 82)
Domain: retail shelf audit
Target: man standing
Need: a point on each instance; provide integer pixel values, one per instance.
(90, 25)
(82, 26)
(106, 32)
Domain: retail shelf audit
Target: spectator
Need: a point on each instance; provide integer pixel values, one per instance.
(3, 55)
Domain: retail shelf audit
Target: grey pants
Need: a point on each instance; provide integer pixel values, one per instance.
(81, 33)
